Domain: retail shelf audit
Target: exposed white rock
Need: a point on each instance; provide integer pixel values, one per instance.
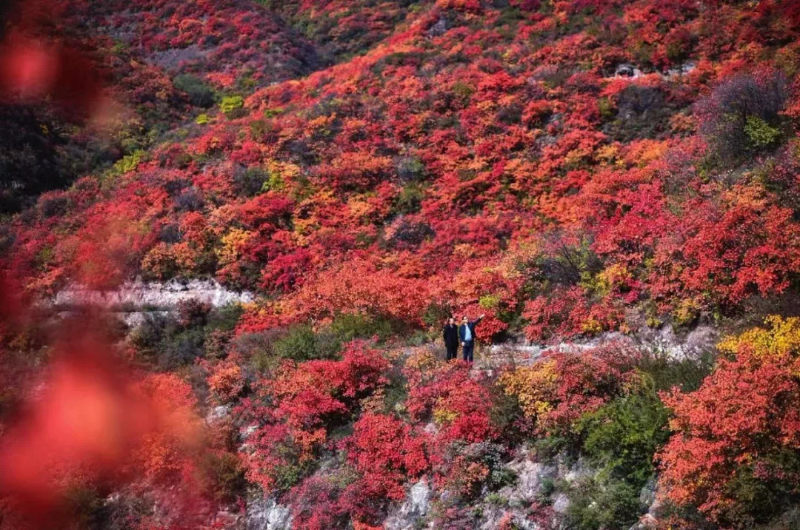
(666, 342)
(217, 414)
(648, 494)
(135, 319)
(628, 70)
(560, 503)
(139, 294)
(577, 472)
(431, 428)
(649, 498)
(227, 519)
(530, 476)
(663, 341)
(247, 432)
(415, 508)
(267, 514)
(681, 70)
(439, 28)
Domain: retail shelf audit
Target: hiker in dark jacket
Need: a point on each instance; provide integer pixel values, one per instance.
(466, 334)
(451, 339)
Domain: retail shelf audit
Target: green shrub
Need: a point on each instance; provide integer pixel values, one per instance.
(259, 129)
(348, 326)
(687, 374)
(549, 447)
(410, 199)
(232, 106)
(223, 475)
(147, 336)
(761, 133)
(502, 477)
(302, 343)
(504, 413)
(463, 91)
(396, 392)
(759, 500)
(595, 505)
(497, 500)
(127, 163)
(181, 349)
(173, 341)
(620, 440)
(250, 182)
(410, 169)
(299, 344)
(637, 112)
(418, 338)
(743, 115)
(274, 182)
(606, 108)
(566, 264)
(547, 487)
(200, 95)
(259, 349)
(489, 301)
(271, 113)
(226, 317)
(621, 437)
(288, 475)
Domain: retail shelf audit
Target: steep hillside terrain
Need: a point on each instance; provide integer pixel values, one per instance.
(583, 173)
(149, 57)
(342, 28)
(488, 152)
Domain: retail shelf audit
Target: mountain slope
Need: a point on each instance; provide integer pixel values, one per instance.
(580, 172)
(497, 137)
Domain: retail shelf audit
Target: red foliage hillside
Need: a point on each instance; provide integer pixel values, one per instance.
(568, 169)
(472, 142)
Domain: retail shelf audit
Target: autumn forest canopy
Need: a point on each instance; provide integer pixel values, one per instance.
(613, 185)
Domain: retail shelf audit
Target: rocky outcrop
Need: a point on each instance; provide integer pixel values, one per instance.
(664, 342)
(510, 505)
(152, 295)
(267, 514)
(627, 70)
(649, 497)
(439, 28)
(412, 512)
(531, 476)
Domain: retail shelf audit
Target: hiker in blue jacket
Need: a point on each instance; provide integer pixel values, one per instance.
(466, 333)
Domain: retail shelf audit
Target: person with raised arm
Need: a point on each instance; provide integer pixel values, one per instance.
(466, 333)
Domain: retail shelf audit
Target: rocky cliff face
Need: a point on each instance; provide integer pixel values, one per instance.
(139, 295)
(664, 342)
(510, 507)
(266, 514)
(411, 514)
